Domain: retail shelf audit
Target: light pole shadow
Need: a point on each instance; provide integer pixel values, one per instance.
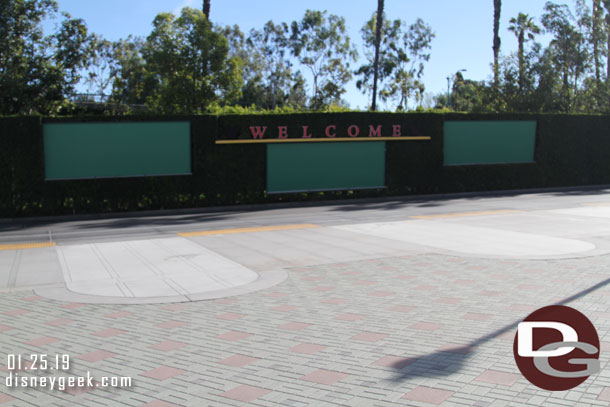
(447, 362)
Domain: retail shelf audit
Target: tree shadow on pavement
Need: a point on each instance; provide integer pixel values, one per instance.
(128, 222)
(581, 191)
(123, 221)
(445, 362)
(389, 205)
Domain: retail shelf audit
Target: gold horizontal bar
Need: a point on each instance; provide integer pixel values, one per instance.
(248, 230)
(318, 140)
(464, 214)
(21, 246)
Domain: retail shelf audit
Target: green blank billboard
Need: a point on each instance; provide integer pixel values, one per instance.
(325, 166)
(489, 142)
(108, 150)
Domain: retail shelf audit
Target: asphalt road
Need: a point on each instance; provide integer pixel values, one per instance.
(110, 227)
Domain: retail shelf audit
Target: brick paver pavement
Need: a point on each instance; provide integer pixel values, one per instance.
(416, 330)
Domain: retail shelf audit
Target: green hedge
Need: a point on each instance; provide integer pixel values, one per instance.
(570, 151)
(21, 166)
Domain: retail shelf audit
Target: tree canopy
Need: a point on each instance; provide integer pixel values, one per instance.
(320, 43)
(37, 71)
(403, 52)
(189, 64)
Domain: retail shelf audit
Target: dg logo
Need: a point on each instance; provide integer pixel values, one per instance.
(556, 348)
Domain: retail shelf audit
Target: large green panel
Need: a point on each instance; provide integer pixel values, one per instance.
(106, 150)
(325, 166)
(489, 142)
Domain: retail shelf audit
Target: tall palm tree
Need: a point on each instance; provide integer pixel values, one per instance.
(596, 19)
(524, 28)
(496, 44)
(206, 8)
(378, 27)
(606, 4)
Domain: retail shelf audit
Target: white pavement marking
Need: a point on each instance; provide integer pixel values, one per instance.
(149, 268)
(296, 248)
(589, 211)
(542, 223)
(471, 239)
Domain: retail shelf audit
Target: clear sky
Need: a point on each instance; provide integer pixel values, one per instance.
(463, 28)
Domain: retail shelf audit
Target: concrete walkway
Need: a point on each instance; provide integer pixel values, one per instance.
(193, 265)
(384, 303)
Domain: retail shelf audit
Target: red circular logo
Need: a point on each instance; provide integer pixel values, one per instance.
(556, 348)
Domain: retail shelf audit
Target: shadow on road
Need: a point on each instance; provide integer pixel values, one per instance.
(125, 223)
(446, 362)
(431, 201)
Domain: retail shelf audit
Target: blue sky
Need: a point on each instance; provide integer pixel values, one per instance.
(463, 29)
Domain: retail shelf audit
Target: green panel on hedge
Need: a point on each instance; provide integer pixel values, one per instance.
(109, 150)
(325, 166)
(489, 142)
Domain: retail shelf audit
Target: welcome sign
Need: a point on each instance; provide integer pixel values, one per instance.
(257, 131)
(323, 151)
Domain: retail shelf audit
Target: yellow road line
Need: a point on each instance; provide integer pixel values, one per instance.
(20, 246)
(464, 214)
(317, 140)
(596, 204)
(248, 230)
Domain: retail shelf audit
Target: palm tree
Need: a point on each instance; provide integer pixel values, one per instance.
(523, 26)
(606, 4)
(596, 19)
(496, 45)
(206, 8)
(378, 27)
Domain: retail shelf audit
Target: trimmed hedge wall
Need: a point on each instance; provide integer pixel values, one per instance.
(570, 151)
(21, 166)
